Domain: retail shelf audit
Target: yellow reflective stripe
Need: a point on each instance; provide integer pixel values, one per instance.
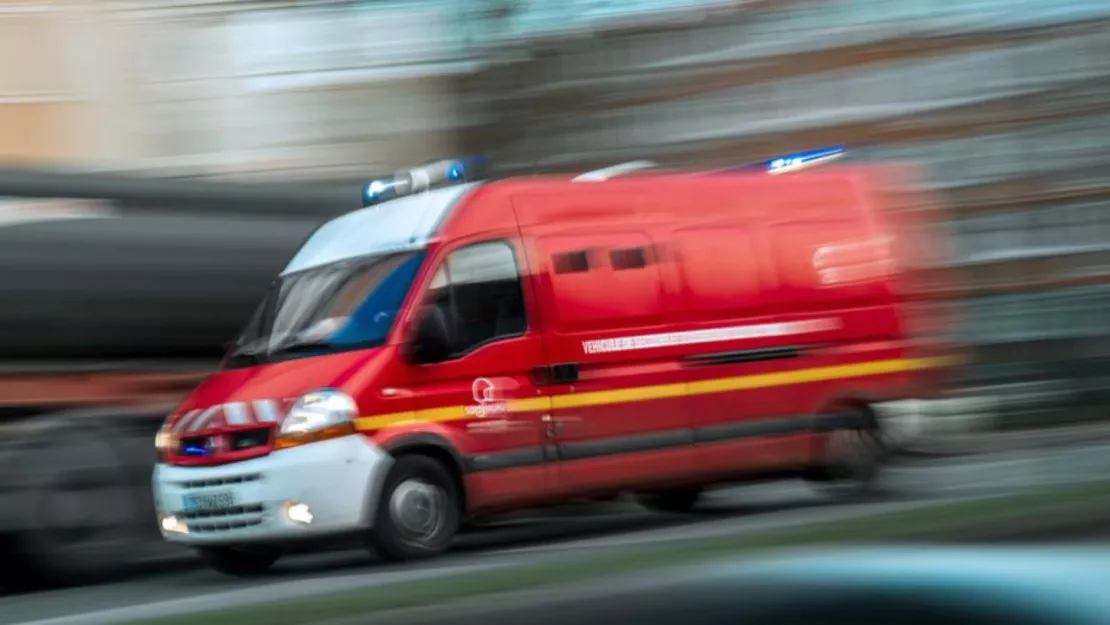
(536, 404)
(446, 413)
(430, 415)
(803, 376)
(665, 391)
(618, 396)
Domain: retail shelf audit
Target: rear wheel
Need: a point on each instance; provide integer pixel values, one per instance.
(239, 562)
(678, 500)
(418, 514)
(852, 458)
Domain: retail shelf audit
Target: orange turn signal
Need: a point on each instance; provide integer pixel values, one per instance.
(285, 441)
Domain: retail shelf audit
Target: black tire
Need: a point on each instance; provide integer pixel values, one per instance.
(852, 459)
(237, 562)
(423, 490)
(673, 501)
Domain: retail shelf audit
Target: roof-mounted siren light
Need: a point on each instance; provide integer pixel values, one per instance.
(801, 160)
(423, 178)
(606, 173)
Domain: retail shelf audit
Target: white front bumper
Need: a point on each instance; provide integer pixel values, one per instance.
(339, 480)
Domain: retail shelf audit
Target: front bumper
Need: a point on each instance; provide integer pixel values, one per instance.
(338, 480)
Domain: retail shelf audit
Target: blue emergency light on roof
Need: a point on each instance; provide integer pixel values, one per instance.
(422, 178)
(793, 162)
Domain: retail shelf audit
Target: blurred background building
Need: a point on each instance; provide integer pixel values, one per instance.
(1006, 103)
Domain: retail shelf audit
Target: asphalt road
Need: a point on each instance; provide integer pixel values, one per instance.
(561, 534)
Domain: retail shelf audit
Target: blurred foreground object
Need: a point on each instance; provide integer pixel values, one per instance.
(866, 586)
(118, 298)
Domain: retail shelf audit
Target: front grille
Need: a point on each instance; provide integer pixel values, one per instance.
(222, 526)
(244, 440)
(224, 519)
(249, 439)
(221, 481)
(224, 512)
(212, 520)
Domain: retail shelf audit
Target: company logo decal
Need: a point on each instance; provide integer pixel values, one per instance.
(488, 399)
(712, 335)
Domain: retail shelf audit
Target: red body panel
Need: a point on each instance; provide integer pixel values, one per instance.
(707, 317)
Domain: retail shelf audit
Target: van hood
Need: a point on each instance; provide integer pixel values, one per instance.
(236, 410)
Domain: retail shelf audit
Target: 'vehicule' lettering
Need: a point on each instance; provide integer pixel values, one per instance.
(712, 335)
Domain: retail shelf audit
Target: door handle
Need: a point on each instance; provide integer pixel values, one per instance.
(554, 425)
(563, 373)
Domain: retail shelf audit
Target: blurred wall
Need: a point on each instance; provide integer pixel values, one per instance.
(237, 88)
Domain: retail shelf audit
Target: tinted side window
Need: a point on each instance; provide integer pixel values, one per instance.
(479, 289)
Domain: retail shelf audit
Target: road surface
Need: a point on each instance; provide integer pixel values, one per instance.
(561, 533)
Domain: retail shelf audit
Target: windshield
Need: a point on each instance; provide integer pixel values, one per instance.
(345, 305)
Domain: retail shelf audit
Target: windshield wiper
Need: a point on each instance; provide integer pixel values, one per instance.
(306, 345)
(251, 348)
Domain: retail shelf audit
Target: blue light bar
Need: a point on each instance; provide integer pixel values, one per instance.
(423, 178)
(794, 162)
(382, 189)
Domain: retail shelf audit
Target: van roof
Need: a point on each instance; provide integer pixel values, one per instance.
(404, 223)
(494, 204)
(411, 222)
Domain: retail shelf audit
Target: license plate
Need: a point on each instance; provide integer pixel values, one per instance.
(208, 501)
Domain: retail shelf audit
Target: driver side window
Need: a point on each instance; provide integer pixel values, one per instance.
(478, 288)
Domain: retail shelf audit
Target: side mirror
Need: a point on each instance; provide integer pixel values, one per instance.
(431, 341)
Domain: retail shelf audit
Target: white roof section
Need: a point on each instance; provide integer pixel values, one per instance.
(403, 223)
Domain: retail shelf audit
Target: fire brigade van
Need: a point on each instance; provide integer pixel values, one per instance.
(462, 347)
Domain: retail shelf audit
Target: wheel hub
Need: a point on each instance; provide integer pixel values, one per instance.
(417, 510)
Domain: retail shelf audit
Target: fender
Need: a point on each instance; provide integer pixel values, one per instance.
(404, 441)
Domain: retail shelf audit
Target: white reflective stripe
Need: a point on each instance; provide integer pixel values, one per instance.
(712, 335)
(184, 421)
(202, 421)
(265, 410)
(237, 414)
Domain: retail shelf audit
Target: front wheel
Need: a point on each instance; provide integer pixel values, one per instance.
(418, 514)
(239, 563)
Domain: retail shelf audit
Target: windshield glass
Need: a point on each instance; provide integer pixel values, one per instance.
(345, 305)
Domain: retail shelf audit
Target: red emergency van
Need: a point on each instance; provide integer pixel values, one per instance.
(472, 347)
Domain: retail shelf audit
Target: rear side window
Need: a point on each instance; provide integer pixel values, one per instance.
(571, 262)
(479, 289)
(634, 258)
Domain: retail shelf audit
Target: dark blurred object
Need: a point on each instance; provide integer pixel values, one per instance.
(195, 196)
(140, 268)
(848, 587)
(119, 295)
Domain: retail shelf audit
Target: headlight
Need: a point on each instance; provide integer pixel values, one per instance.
(165, 440)
(318, 415)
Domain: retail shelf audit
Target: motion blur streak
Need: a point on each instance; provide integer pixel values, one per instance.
(160, 162)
